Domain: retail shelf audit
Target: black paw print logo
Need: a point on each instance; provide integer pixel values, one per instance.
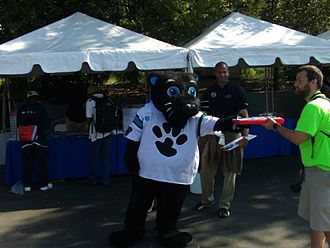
(166, 147)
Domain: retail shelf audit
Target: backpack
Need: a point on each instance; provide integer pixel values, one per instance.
(27, 130)
(105, 111)
(27, 133)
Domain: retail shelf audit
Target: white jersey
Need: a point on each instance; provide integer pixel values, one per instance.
(91, 113)
(165, 154)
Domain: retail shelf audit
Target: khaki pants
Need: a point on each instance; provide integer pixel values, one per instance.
(215, 162)
(314, 201)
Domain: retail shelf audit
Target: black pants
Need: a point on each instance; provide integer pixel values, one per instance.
(38, 153)
(169, 197)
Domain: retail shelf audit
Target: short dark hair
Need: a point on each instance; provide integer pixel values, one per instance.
(221, 63)
(312, 73)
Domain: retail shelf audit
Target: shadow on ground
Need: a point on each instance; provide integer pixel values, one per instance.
(77, 215)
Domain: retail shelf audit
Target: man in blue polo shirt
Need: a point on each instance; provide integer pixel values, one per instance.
(224, 99)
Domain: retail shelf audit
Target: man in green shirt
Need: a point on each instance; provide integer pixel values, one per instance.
(312, 134)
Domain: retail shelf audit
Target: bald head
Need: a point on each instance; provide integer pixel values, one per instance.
(221, 73)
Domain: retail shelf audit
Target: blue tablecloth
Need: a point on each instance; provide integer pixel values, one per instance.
(68, 157)
(270, 143)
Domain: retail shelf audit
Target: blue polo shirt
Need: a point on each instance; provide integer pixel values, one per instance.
(225, 101)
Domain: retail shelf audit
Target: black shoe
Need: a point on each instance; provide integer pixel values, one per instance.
(175, 239)
(296, 187)
(223, 213)
(124, 239)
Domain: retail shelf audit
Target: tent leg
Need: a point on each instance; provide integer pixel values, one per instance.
(4, 107)
(189, 68)
(266, 90)
(8, 95)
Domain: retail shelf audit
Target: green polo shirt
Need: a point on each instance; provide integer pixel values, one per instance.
(315, 117)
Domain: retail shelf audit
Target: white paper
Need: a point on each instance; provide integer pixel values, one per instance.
(232, 145)
(222, 140)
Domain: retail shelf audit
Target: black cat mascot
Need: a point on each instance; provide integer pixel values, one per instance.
(162, 156)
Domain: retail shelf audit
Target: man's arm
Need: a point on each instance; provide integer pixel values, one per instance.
(296, 137)
(89, 121)
(245, 132)
(19, 117)
(244, 113)
(44, 118)
(89, 112)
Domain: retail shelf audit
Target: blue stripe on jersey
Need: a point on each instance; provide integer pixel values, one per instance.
(199, 125)
(138, 122)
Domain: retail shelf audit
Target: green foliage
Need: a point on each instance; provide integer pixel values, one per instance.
(253, 73)
(172, 21)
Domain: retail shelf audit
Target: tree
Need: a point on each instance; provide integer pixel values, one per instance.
(173, 21)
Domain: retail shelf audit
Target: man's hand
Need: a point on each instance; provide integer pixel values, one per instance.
(243, 143)
(224, 124)
(269, 124)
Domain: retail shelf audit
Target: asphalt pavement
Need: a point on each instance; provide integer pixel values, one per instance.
(74, 214)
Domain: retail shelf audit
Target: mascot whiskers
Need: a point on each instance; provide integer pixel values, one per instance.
(162, 156)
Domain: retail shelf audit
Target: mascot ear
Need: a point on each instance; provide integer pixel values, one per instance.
(153, 80)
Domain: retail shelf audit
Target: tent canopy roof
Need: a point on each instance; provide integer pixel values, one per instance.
(325, 35)
(66, 45)
(259, 43)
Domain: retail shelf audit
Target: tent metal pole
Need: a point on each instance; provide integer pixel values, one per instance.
(189, 68)
(266, 90)
(272, 90)
(4, 107)
(8, 95)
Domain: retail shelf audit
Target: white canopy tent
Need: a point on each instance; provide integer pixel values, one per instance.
(83, 43)
(259, 43)
(66, 45)
(325, 35)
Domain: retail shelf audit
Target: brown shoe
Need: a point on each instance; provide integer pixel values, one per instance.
(201, 205)
(223, 213)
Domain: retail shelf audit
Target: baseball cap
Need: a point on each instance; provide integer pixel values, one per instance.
(32, 93)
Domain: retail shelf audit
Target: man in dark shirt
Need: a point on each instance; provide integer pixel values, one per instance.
(33, 113)
(75, 117)
(225, 99)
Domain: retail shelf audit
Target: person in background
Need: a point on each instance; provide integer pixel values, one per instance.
(100, 142)
(326, 83)
(225, 99)
(75, 117)
(33, 113)
(312, 134)
(326, 90)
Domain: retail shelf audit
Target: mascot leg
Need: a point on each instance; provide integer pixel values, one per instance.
(140, 201)
(170, 199)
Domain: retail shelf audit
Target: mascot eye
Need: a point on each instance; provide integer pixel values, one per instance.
(192, 91)
(173, 90)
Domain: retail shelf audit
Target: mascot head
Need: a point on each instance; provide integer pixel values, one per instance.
(175, 94)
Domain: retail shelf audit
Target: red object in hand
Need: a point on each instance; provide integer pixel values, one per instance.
(258, 120)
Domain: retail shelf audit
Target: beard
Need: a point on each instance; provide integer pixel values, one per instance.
(304, 92)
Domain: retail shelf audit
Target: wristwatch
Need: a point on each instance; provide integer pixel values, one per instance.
(275, 126)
